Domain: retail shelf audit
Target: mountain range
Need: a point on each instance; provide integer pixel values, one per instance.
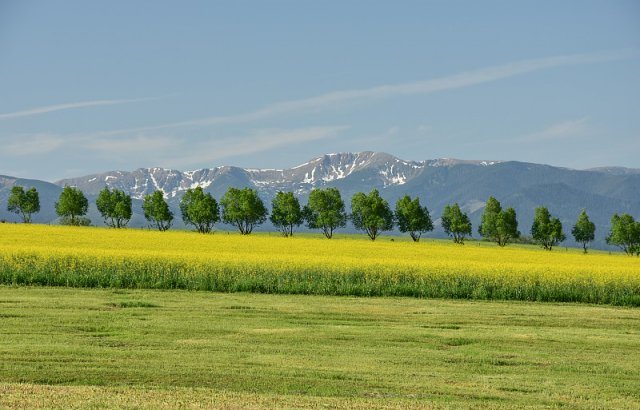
(523, 186)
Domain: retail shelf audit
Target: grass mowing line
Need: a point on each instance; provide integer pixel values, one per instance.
(80, 347)
(21, 396)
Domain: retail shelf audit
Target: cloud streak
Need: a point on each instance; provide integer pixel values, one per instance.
(555, 132)
(135, 146)
(257, 141)
(559, 131)
(169, 150)
(33, 144)
(465, 79)
(176, 151)
(456, 81)
(69, 106)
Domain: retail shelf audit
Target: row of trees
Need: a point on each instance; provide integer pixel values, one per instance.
(325, 211)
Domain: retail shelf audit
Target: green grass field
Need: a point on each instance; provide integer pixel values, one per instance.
(78, 348)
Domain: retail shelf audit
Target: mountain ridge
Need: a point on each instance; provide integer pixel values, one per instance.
(438, 182)
(329, 167)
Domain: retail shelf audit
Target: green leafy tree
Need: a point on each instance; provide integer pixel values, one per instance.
(584, 231)
(371, 213)
(115, 207)
(413, 218)
(156, 211)
(199, 209)
(498, 225)
(24, 203)
(286, 213)
(243, 208)
(546, 231)
(625, 234)
(325, 210)
(72, 206)
(456, 223)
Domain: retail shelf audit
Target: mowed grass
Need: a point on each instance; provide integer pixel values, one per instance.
(82, 348)
(228, 262)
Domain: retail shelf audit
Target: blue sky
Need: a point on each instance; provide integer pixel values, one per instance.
(88, 87)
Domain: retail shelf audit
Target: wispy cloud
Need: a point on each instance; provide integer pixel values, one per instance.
(33, 144)
(555, 132)
(179, 152)
(68, 106)
(168, 150)
(424, 129)
(254, 142)
(136, 145)
(559, 131)
(383, 140)
(461, 80)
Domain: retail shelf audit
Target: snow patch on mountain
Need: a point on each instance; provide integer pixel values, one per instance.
(386, 169)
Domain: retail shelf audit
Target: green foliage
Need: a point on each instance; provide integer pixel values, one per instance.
(243, 208)
(625, 234)
(412, 218)
(498, 225)
(546, 231)
(115, 207)
(25, 203)
(488, 223)
(371, 213)
(156, 211)
(199, 209)
(75, 221)
(286, 212)
(584, 230)
(456, 223)
(325, 211)
(72, 206)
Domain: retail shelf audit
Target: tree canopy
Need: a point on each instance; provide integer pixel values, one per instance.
(286, 212)
(497, 224)
(412, 217)
(625, 234)
(371, 213)
(456, 223)
(325, 210)
(584, 231)
(24, 203)
(546, 230)
(115, 207)
(72, 206)
(199, 209)
(243, 208)
(156, 211)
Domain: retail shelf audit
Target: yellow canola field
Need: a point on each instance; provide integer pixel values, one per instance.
(227, 261)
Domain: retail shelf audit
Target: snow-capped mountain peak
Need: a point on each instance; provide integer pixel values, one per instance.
(379, 169)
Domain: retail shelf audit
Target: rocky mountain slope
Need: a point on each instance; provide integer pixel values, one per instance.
(382, 170)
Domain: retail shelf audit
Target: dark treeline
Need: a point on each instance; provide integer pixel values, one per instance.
(325, 211)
